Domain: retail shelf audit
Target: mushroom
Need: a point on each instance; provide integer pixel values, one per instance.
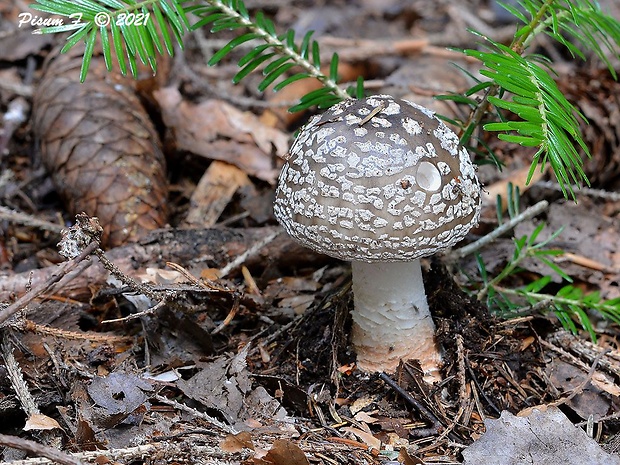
(381, 182)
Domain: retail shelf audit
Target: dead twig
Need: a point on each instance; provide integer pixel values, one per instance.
(580, 190)
(569, 344)
(460, 350)
(477, 387)
(39, 450)
(208, 455)
(133, 316)
(63, 270)
(249, 252)
(130, 282)
(504, 228)
(430, 416)
(231, 314)
(579, 389)
(16, 377)
(177, 405)
(33, 327)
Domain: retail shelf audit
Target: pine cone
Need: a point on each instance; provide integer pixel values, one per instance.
(100, 147)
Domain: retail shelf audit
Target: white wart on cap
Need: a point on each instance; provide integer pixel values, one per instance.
(381, 180)
(378, 179)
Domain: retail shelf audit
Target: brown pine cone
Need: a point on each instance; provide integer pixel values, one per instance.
(100, 147)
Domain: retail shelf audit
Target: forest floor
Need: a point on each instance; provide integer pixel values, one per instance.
(247, 359)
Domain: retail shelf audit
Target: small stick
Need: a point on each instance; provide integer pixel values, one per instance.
(18, 382)
(215, 422)
(133, 316)
(28, 220)
(527, 214)
(460, 350)
(128, 281)
(65, 268)
(38, 449)
(412, 400)
(588, 191)
(249, 252)
(476, 385)
(231, 314)
(372, 114)
(31, 326)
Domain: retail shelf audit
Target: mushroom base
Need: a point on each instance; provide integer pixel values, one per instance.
(391, 319)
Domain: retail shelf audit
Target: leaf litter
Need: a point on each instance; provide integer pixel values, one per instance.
(279, 372)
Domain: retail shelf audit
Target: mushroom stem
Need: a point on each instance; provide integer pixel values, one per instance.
(391, 319)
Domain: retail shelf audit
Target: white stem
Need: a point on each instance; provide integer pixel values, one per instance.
(391, 320)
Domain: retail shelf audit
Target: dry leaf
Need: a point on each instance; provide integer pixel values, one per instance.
(406, 459)
(346, 370)
(119, 392)
(296, 90)
(225, 385)
(589, 401)
(587, 232)
(361, 403)
(22, 44)
(234, 443)
(283, 452)
(213, 193)
(542, 438)
(40, 422)
(221, 387)
(218, 131)
(364, 417)
(365, 437)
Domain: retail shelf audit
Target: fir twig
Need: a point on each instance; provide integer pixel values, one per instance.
(277, 54)
(132, 30)
(548, 121)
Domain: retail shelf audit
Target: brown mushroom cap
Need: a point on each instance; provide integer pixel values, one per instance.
(378, 179)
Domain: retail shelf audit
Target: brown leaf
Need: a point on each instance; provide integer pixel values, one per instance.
(589, 400)
(218, 131)
(368, 438)
(100, 147)
(213, 193)
(85, 437)
(40, 422)
(22, 43)
(406, 459)
(234, 443)
(518, 179)
(284, 452)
